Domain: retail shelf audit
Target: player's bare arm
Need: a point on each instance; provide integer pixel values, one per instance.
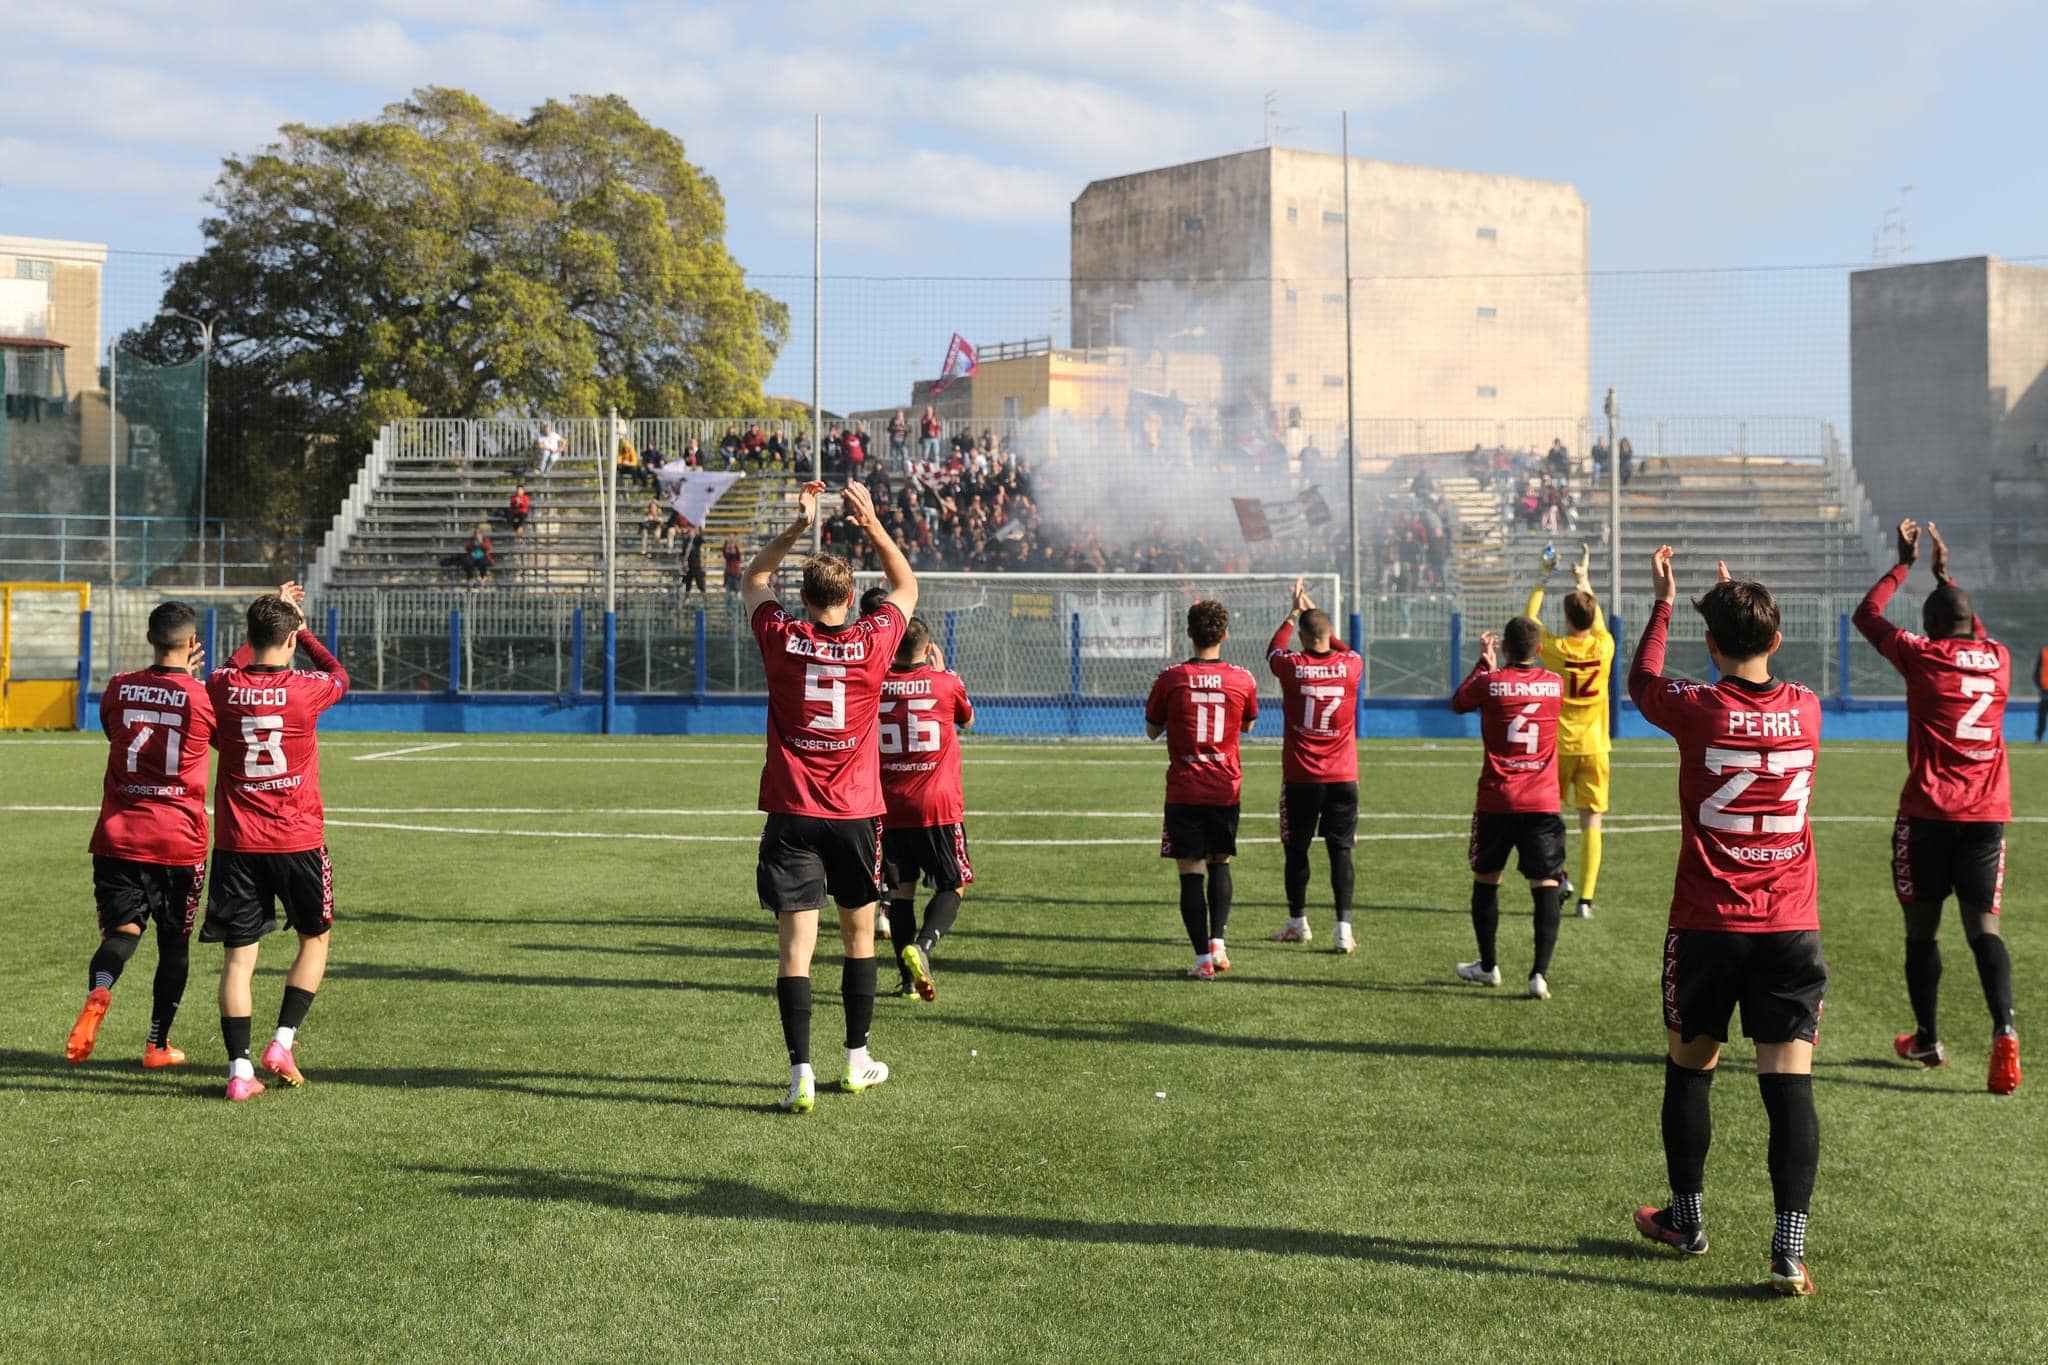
(758, 585)
(1489, 651)
(860, 506)
(1908, 541)
(1662, 581)
(1940, 560)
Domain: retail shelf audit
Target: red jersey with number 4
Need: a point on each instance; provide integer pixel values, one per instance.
(153, 805)
(922, 711)
(1745, 774)
(1205, 704)
(824, 693)
(1518, 707)
(1956, 691)
(1319, 706)
(266, 719)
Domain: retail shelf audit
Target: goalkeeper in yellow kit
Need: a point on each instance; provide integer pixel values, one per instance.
(1584, 657)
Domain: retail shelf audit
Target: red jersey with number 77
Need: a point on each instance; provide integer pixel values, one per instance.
(1518, 707)
(153, 805)
(1746, 755)
(1319, 707)
(922, 711)
(1204, 705)
(824, 695)
(266, 718)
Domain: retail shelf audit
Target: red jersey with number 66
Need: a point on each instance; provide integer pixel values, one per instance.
(153, 806)
(1319, 704)
(824, 692)
(1518, 707)
(1204, 705)
(266, 718)
(922, 711)
(1746, 756)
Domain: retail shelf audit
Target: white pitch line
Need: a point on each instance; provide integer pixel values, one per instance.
(397, 753)
(754, 838)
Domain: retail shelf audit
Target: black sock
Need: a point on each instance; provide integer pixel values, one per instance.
(1219, 899)
(292, 1013)
(107, 964)
(1546, 898)
(1994, 970)
(793, 998)
(857, 994)
(939, 913)
(1794, 1155)
(1343, 878)
(1485, 920)
(173, 966)
(1194, 911)
(1688, 1133)
(235, 1033)
(1294, 874)
(1923, 985)
(903, 922)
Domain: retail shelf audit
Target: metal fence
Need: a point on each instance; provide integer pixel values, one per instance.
(222, 553)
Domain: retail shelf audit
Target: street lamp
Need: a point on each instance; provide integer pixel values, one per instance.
(205, 327)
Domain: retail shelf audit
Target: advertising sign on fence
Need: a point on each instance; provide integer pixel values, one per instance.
(1121, 625)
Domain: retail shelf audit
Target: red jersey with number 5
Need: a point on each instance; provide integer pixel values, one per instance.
(1746, 756)
(824, 694)
(1319, 707)
(266, 718)
(1956, 691)
(1204, 705)
(153, 805)
(1518, 707)
(922, 711)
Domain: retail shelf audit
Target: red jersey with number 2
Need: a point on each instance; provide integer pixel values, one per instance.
(922, 711)
(153, 805)
(1319, 706)
(824, 693)
(1205, 704)
(1517, 708)
(1746, 756)
(266, 718)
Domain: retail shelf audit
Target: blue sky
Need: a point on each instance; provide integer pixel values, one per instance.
(1703, 133)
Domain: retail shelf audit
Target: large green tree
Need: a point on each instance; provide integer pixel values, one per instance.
(444, 259)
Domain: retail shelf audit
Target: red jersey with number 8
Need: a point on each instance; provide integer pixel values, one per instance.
(266, 718)
(1746, 755)
(824, 695)
(1204, 705)
(922, 711)
(1319, 703)
(153, 806)
(1518, 708)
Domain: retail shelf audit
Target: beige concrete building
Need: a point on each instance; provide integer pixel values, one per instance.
(1469, 291)
(1018, 381)
(50, 315)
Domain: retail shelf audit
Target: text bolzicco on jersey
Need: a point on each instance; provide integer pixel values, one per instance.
(266, 717)
(921, 711)
(824, 692)
(1319, 701)
(1204, 705)
(153, 804)
(1518, 706)
(1746, 755)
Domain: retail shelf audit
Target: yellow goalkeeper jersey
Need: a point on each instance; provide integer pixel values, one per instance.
(1586, 663)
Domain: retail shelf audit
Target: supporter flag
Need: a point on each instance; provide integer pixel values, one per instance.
(1262, 520)
(1251, 519)
(694, 492)
(960, 363)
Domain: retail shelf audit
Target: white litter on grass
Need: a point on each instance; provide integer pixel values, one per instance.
(1159, 1094)
(974, 1052)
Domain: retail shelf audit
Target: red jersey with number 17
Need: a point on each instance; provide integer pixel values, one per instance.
(267, 791)
(824, 693)
(1746, 756)
(1204, 705)
(153, 806)
(1319, 709)
(1518, 707)
(922, 711)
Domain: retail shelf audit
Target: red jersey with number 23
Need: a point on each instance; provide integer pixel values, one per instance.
(1319, 709)
(1204, 705)
(824, 693)
(153, 806)
(922, 711)
(1746, 756)
(1517, 708)
(267, 791)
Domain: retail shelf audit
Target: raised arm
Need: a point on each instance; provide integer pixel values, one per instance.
(1472, 691)
(860, 508)
(1946, 579)
(1298, 603)
(757, 586)
(1646, 684)
(1869, 615)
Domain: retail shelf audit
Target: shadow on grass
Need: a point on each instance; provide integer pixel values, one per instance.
(21, 1069)
(449, 976)
(1150, 1033)
(693, 1197)
(554, 1085)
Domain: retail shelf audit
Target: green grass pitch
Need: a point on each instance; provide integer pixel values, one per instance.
(538, 1123)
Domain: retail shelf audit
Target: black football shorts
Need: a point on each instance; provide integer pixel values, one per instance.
(1933, 859)
(1537, 838)
(935, 854)
(241, 905)
(1309, 809)
(807, 859)
(1198, 831)
(128, 892)
(1778, 979)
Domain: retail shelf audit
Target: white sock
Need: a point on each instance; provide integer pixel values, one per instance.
(1215, 947)
(1201, 958)
(285, 1035)
(856, 1057)
(800, 1071)
(243, 1068)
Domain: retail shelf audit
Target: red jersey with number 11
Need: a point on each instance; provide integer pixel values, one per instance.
(1319, 704)
(1518, 707)
(153, 806)
(824, 690)
(1204, 705)
(922, 711)
(266, 716)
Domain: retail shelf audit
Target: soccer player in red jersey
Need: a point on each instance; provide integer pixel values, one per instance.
(270, 834)
(1950, 832)
(1318, 761)
(924, 833)
(149, 846)
(1201, 706)
(821, 786)
(1516, 809)
(1745, 917)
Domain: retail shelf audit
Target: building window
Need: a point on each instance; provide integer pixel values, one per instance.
(1290, 296)
(26, 269)
(1330, 216)
(1290, 381)
(1293, 214)
(1191, 224)
(32, 373)
(1009, 409)
(1333, 381)
(1334, 297)
(1488, 391)
(1488, 235)
(1489, 312)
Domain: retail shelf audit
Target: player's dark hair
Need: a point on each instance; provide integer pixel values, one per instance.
(873, 598)
(916, 640)
(1947, 612)
(1580, 610)
(1208, 623)
(1315, 624)
(171, 624)
(828, 581)
(1741, 617)
(1523, 639)
(271, 621)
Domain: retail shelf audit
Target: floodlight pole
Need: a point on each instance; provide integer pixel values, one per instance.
(1613, 410)
(1350, 399)
(113, 485)
(817, 312)
(205, 403)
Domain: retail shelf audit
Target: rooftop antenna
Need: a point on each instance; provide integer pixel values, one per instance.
(1271, 128)
(1892, 243)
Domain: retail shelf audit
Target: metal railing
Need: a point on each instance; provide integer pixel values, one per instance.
(224, 551)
